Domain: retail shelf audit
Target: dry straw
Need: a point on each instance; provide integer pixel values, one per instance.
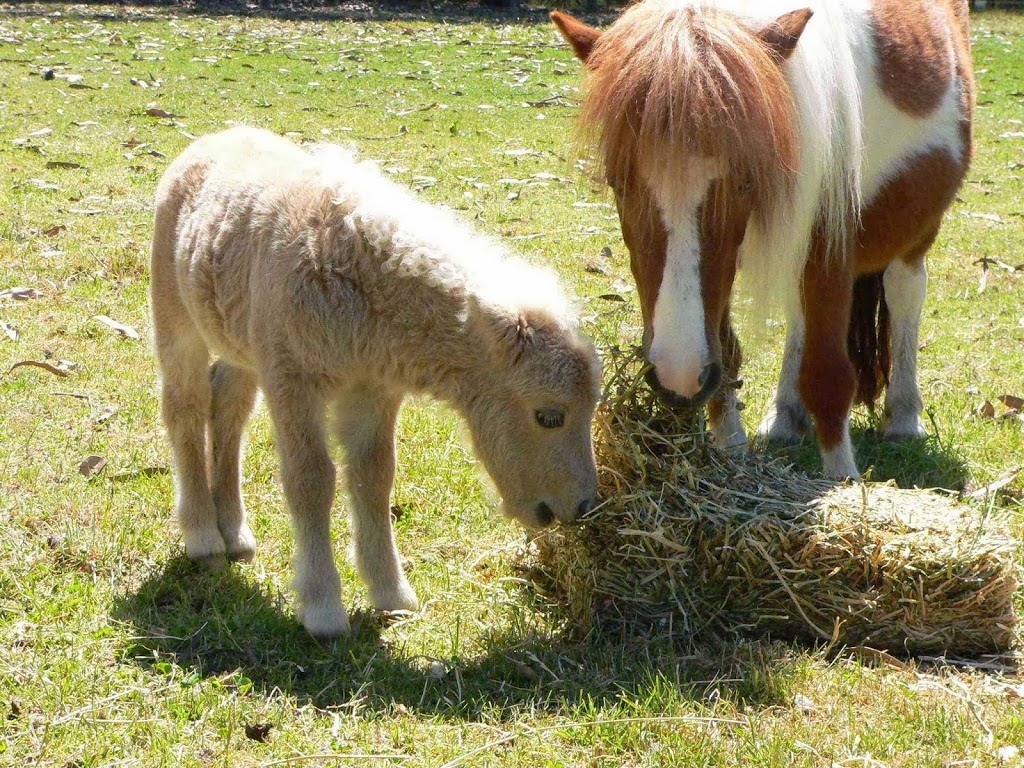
(691, 542)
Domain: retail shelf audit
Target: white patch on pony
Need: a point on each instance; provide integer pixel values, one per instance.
(838, 461)
(727, 431)
(679, 347)
(905, 289)
(787, 419)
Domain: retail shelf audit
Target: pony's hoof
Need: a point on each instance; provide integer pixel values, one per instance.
(326, 621)
(785, 424)
(401, 597)
(910, 428)
(215, 562)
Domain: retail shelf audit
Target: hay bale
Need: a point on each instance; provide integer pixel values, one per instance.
(694, 543)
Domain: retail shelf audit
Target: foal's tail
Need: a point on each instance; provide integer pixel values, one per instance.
(868, 339)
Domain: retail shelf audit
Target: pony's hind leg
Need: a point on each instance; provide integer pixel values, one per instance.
(307, 473)
(185, 401)
(906, 284)
(233, 398)
(365, 426)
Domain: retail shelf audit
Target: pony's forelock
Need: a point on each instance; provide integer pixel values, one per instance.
(672, 81)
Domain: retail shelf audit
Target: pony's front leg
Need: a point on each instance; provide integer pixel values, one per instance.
(724, 408)
(307, 473)
(234, 396)
(905, 287)
(827, 380)
(365, 426)
(787, 419)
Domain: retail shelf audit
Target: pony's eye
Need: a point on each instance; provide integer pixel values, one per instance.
(550, 418)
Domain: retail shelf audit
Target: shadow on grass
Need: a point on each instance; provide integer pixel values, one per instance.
(927, 463)
(213, 624)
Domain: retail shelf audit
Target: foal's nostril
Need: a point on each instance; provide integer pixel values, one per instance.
(585, 506)
(544, 514)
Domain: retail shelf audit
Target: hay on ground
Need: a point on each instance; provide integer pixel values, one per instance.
(692, 542)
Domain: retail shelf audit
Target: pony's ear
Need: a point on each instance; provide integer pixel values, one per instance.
(580, 36)
(782, 35)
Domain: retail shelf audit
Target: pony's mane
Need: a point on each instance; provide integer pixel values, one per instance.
(676, 77)
(428, 243)
(671, 80)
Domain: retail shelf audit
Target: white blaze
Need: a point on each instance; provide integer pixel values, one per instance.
(679, 347)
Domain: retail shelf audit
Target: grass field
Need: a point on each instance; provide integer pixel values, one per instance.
(115, 651)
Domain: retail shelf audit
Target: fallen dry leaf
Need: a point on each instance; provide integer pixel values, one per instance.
(62, 368)
(157, 112)
(986, 410)
(20, 293)
(92, 466)
(10, 331)
(1012, 401)
(121, 328)
(258, 731)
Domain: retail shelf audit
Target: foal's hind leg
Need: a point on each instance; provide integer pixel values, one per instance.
(365, 426)
(906, 284)
(307, 473)
(185, 401)
(233, 398)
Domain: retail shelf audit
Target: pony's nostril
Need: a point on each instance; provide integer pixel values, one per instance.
(585, 506)
(544, 514)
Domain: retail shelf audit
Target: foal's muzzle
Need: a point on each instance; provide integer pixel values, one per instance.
(710, 380)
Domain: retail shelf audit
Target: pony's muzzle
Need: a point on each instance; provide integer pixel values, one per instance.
(546, 515)
(709, 380)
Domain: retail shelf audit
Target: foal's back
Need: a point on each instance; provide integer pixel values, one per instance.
(240, 216)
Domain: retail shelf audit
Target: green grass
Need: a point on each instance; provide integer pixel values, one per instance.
(115, 651)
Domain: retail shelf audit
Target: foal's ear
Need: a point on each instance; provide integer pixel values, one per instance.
(509, 333)
(582, 37)
(782, 35)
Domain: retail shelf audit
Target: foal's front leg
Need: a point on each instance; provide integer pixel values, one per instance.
(307, 473)
(365, 427)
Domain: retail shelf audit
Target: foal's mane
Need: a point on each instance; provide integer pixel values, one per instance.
(670, 81)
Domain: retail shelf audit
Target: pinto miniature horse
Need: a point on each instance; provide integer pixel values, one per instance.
(817, 149)
(322, 283)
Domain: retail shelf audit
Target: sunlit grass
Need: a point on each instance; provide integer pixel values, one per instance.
(115, 651)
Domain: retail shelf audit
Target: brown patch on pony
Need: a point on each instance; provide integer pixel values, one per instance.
(644, 234)
(670, 82)
(914, 65)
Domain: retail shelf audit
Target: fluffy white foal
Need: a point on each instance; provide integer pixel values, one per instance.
(316, 280)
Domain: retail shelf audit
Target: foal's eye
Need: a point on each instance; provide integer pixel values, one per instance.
(550, 418)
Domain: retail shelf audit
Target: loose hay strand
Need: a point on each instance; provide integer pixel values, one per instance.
(693, 542)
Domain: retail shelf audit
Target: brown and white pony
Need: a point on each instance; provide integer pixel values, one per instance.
(816, 148)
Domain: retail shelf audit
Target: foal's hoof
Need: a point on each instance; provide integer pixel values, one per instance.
(326, 621)
(241, 546)
(217, 561)
(400, 597)
(206, 547)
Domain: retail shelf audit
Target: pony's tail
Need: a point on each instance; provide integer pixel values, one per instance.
(868, 339)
